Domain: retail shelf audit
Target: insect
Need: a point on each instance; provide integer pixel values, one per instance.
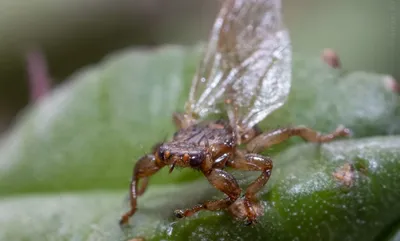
(245, 74)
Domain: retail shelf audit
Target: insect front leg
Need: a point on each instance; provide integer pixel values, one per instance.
(144, 168)
(222, 181)
(268, 139)
(252, 162)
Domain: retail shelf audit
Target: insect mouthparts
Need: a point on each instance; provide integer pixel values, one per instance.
(172, 167)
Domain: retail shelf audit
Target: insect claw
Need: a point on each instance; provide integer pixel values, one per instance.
(179, 213)
(123, 224)
(344, 131)
(248, 222)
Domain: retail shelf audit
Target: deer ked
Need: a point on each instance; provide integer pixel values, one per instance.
(245, 74)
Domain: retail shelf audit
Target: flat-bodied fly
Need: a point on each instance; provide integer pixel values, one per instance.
(245, 73)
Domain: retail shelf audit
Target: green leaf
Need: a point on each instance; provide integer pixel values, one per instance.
(303, 201)
(88, 133)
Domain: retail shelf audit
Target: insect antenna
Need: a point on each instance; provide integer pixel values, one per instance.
(165, 137)
(142, 149)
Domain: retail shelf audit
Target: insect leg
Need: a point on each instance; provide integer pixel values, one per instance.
(252, 162)
(268, 139)
(143, 187)
(144, 168)
(222, 181)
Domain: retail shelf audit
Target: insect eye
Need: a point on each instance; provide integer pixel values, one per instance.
(196, 159)
(163, 154)
(160, 153)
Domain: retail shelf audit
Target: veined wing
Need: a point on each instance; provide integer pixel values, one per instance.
(247, 60)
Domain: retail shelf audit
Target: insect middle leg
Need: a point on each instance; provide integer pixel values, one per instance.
(222, 181)
(252, 162)
(144, 168)
(268, 139)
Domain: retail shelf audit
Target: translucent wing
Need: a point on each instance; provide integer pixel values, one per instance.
(247, 60)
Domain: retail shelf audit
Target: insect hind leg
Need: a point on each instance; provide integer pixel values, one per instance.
(268, 139)
(252, 162)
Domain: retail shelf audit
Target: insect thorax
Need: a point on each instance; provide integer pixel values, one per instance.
(207, 133)
(208, 137)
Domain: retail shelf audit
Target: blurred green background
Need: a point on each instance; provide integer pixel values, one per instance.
(75, 33)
